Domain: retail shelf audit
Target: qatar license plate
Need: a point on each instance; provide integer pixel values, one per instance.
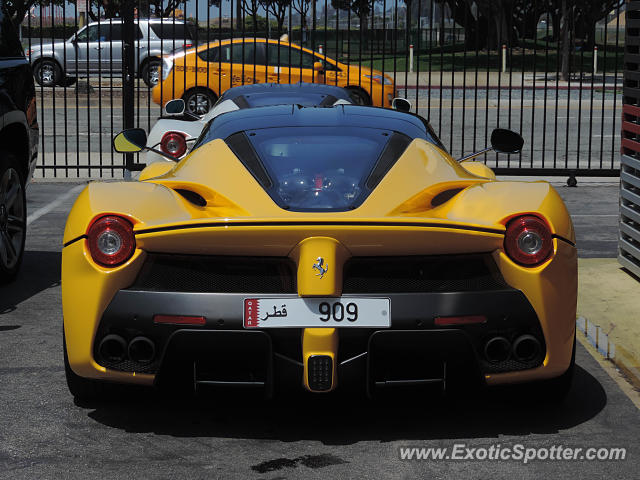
(316, 312)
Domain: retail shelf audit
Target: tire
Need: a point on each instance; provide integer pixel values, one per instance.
(546, 392)
(149, 72)
(13, 216)
(47, 73)
(555, 390)
(68, 81)
(199, 101)
(82, 389)
(359, 96)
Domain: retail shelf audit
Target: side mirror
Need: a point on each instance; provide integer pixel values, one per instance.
(506, 141)
(174, 107)
(318, 67)
(132, 140)
(401, 104)
(502, 141)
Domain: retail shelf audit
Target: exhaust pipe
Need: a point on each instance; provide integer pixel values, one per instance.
(526, 348)
(497, 349)
(112, 348)
(141, 350)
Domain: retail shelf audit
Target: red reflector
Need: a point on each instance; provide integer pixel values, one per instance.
(465, 320)
(179, 320)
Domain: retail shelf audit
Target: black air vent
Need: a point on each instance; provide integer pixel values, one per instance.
(445, 196)
(221, 274)
(442, 273)
(192, 197)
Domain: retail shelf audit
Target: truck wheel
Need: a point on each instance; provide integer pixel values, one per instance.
(150, 72)
(47, 73)
(13, 216)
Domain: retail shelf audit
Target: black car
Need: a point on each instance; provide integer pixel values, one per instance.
(18, 144)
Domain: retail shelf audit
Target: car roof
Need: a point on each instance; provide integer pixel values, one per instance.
(276, 116)
(255, 94)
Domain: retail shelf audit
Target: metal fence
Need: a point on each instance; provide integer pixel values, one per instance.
(465, 69)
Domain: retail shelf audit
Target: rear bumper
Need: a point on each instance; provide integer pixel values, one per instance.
(221, 352)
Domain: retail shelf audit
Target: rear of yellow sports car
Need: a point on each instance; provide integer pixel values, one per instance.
(199, 275)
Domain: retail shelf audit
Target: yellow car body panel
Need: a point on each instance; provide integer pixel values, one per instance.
(398, 218)
(190, 71)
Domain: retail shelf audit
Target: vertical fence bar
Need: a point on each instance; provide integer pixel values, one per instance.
(615, 87)
(533, 89)
(464, 81)
(128, 75)
(604, 91)
(580, 107)
(419, 35)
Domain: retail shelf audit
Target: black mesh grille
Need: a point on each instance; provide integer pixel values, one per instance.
(320, 369)
(461, 273)
(221, 274)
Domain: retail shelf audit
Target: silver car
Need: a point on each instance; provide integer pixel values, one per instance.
(97, 49)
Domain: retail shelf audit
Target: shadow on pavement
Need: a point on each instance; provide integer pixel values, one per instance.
(39, 271)
(347, 420)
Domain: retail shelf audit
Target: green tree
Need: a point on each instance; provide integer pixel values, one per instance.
(277, 8)
(360, 8)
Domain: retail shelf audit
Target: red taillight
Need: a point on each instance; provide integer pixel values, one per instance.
(528, 240)
(174, 143)
(463, 320)
(179, 320)
(111, 241)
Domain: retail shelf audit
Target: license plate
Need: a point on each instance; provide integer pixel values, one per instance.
(316, 312)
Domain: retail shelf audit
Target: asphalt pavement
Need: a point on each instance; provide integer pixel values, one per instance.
(43, 434)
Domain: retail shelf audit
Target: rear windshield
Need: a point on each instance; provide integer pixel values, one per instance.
(320, 168)
(173, 31)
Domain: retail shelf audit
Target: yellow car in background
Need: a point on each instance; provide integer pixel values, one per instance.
(200, 75)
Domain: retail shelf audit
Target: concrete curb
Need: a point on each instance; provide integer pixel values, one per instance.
(620, 357)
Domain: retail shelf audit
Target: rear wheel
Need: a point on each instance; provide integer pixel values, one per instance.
(47, 73)
(13, 216)
(82, 389)
(359, 96)
(550, 392)
(556, 389)
(68, 81)
(199, 101)
(150, 72)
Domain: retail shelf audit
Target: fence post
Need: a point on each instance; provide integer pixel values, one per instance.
(504, 58)
(128, 78)
(410, 58)
(595, 59)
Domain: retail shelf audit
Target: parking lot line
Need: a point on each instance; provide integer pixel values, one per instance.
(58, 201)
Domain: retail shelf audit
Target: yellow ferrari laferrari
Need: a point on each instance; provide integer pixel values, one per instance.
(320, 249)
